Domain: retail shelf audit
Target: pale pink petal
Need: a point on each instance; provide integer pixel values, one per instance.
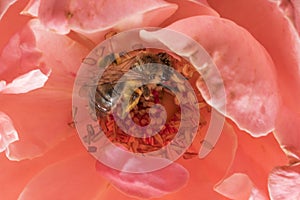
(147, 185)
(287, 133)
(16, 175)
(296, 10)
(42, 120)
(4, 5)
(188, 8)
(32, 8)
(239, 187)
(20, 55)
(252, 98)
(271, 26)
(54, 15)
(63, 61)
(95, 16)
(284, 183)
(74, 178)
(30, 81)
(134, 14)
(204, 173)
(273, 29)
(19, 21)
(8, 133)
(256, 157)
(290, 9)
(32, 112)
(201, 1)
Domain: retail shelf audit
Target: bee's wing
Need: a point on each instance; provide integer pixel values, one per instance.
(114, 72)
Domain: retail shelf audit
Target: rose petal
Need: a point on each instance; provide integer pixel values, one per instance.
(12, 14)
(287, 132)
(27, 82)
(147, 185)
(256, 157)
(8, 133)
(251, 96)
(94, 16)
(50, 105)
(296, 10)
(18, 174)
(204, 173)
(273, 29)
(32, 8)
(239, 187)
(64, 61)
(20, 55)
(4, 5)
(290, 10)
(74, 178)
(201, 1)
(41, 119)
(189, 8)
(284, 183)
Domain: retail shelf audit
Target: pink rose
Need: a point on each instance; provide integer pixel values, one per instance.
(256, 47)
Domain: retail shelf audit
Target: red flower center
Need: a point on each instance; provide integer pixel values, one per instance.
(136, 103)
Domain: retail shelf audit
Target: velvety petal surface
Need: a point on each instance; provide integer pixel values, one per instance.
(30, 81)
(147, 185)
(204, 173)
(295, 6)
(8, 133)
(73, 178)
(239, 187)
(61, 54)
(95, 16)
(15, 175)
(251, 96)
(256, 157)
(49, 108)
(4, 5)
(7, 30)
(272, 27)
(290, 10)
(284, 183)
(20, 55)
(48, 122)
(188, 8)
(287, 133)
(32, 8)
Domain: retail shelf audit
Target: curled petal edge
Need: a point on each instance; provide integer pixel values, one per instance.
(239, 187)
(25, 83)
(8, 133)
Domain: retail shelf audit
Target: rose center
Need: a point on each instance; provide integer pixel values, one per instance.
(150, 80)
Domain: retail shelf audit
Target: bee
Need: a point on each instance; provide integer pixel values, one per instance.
(139, 66)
